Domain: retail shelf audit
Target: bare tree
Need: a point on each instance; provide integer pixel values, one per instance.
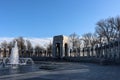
(49, 49)
(118, 25)
(4, 44)
(105, 30)
(39, 50)
(89, 39)
(10, 44)
(29, 45)
(115, 23)
(74, 39)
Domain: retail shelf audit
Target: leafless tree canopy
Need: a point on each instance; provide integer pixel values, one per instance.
(74, 39)
(28, 44)
(4, 44)
(89, 39)
(108, 29)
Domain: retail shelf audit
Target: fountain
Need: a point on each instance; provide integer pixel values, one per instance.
(14, 60)
(14, 57)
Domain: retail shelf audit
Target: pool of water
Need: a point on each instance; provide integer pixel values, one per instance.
(19, 69)
(38, 66)
(61, 71)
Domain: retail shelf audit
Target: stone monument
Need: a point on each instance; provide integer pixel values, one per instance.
(60, 46)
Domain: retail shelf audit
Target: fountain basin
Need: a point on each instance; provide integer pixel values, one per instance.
(22, 61)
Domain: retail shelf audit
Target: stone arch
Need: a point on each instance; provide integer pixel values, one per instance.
(60, 46)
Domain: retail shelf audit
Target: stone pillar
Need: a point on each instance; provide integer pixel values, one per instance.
(83, 50)
(2, 53)
(112, 50)
(88, 51)
(105, 51)
(103, 47)
(96, 50)
(119, 49)
(91, 51)
(115, 47)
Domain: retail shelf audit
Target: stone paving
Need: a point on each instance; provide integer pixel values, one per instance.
(69, 71)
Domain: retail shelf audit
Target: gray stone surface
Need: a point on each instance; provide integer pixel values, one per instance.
(69, 71)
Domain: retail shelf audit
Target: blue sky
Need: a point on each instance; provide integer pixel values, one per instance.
(47, 18)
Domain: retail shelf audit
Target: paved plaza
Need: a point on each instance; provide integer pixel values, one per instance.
(68, 71)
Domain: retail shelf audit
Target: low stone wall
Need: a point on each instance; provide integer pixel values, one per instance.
(42, 58)
(78, 59)
(82, 59)
(68, 59)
